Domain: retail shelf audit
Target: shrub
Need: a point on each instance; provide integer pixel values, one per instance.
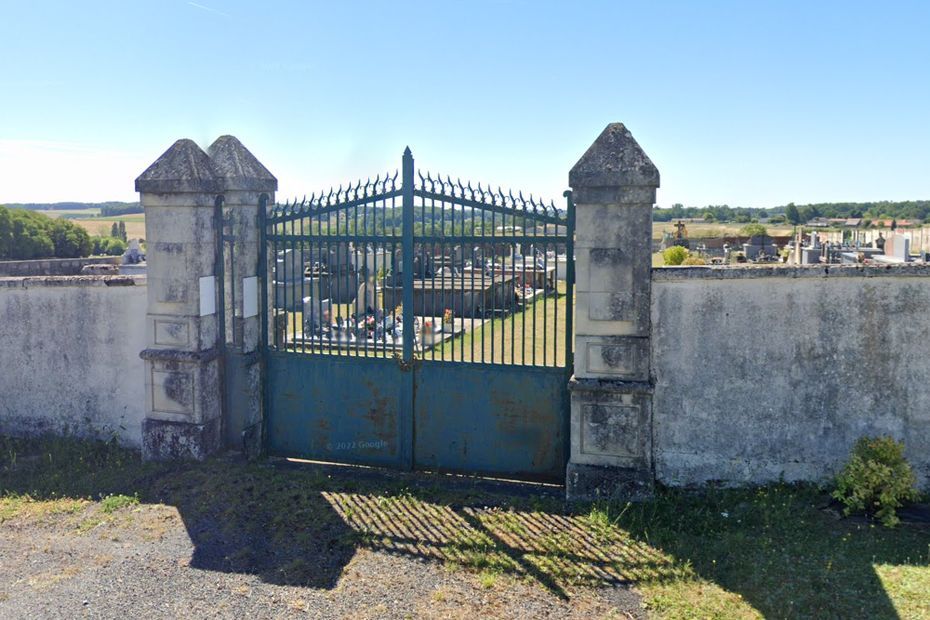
(877, 479)
(753, 230)
(674, 255)
(694, 260)
(109, 246)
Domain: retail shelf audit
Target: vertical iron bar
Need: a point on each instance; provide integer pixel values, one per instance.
(263, 344)
(263, 270)
(472, 274)
(569, 279)
(303, 263)
(545, 320)
(555, 319)
(484, 302)
(219, 269)
(291, 320)
(493, 271)
(524, 304)
(407, 395)
(328, 333)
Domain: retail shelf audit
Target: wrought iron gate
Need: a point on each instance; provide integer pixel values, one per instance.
(417, 322)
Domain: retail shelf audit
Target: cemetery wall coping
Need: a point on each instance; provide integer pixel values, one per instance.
(679, 274)
(26, 282)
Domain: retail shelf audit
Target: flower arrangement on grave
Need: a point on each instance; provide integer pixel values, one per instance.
(370, 323)
(447, 316)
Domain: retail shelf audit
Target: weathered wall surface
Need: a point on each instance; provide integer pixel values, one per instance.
(53, 266)
(764, 373)
(69, 356)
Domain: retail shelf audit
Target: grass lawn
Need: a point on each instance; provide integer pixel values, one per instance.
(769, 552)
(534, 336)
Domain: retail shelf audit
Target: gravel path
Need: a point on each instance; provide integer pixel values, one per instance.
(140, 561)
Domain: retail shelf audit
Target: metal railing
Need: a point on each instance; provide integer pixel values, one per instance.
(422, 267)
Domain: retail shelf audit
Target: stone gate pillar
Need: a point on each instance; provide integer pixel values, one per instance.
(186, 195)
(614, 187)
(247, 186)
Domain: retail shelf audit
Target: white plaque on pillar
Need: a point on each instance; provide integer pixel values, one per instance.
(207, 295)
(249, 297)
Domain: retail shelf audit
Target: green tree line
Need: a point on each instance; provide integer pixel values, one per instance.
(913, 210)
(26, 235)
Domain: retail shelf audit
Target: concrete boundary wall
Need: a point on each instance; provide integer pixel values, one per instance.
(69, 356)
(53, 266)
(763, 373)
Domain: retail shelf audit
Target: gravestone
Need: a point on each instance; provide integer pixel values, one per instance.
(133, 254)
(317, 313)
(366, 298)
(898, 246)
(398, 267)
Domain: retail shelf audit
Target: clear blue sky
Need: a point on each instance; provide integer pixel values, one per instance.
(744, 103)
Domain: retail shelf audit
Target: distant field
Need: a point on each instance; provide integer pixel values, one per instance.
(135, 225)
(90, 220)
(711, 230)
(135, 228)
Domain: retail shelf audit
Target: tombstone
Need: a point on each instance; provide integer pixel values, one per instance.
(759, 247)
(289, 266)
(366, 298)
(288, 295)
(133, 254)
(423, 266)
(317, 314)
(338, 256)
(458, 257)
(898, 246)
(375, 261)
(398, 267)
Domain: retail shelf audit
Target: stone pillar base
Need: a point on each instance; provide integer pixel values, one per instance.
(596, 482)
(165, 441)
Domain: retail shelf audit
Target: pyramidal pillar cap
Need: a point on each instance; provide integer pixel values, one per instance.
(614, 160)
(184, 167)
(236, 167)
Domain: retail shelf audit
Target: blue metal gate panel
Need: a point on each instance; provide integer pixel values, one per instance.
(418, 324)
(499, 420)
(333, 408)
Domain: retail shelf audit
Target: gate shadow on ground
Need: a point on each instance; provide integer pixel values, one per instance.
(301, 525)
